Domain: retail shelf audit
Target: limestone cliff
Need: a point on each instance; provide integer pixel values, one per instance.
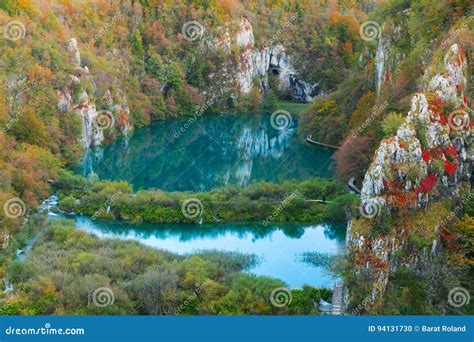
(429, 158)
(255, 63)
(75, 97)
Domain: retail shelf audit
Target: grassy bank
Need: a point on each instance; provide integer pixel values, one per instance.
(266, 202)
(69, 272)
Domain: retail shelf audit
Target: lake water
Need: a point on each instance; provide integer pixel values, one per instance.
(212, 152)
(279, 248)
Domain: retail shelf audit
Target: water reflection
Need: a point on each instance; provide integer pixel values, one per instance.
(212, 152)
(278, 247)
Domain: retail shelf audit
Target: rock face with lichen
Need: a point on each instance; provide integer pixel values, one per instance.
(430, 148)
(429, 158)
(255, 63)
(76, 95)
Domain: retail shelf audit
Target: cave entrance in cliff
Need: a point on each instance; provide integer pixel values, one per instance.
(275, 71)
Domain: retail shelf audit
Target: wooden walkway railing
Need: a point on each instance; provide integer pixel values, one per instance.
(337, 299)
(309, 139)
(352, 186)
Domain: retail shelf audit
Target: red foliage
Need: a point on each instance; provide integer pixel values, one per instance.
(426, 155)
(123, 119)
(449, 167)
(446, 236)
(436, 105)
(405, 199)
(351, 158)
(427, 184)
(387, 76)
(451, 150)
(380, 264)
(443, 119)
(80, 107)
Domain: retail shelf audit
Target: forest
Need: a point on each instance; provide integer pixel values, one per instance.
(132, 60)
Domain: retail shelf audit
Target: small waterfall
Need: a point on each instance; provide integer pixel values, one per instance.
(379, 64)
(108, 209)
(244, 171)
(48, 204)
(8, 285)
(92, 156)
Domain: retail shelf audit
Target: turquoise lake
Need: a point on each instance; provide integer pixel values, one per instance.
(214, 152)
(279, 248)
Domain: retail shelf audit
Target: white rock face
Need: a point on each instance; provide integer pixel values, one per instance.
(380, 63)
(446, 85)
(92, 134)
(405, 147)
(74, 54)
(257, 63)
(400, 159)
(245, 35)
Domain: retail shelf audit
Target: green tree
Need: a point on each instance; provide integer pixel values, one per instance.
(391, 123)
(137, 43)
(270, 101)
(155, 67)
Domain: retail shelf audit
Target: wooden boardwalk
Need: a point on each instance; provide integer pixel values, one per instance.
(352, 186)
(337, 299)
(309, 139)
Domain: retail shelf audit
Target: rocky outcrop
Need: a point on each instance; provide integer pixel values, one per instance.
(75, 97)
(430, 158)
(387, 57)
(436, 132)
(255, 64)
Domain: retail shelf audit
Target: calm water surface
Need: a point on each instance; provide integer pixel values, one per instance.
(279, 248)
(212, 152)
